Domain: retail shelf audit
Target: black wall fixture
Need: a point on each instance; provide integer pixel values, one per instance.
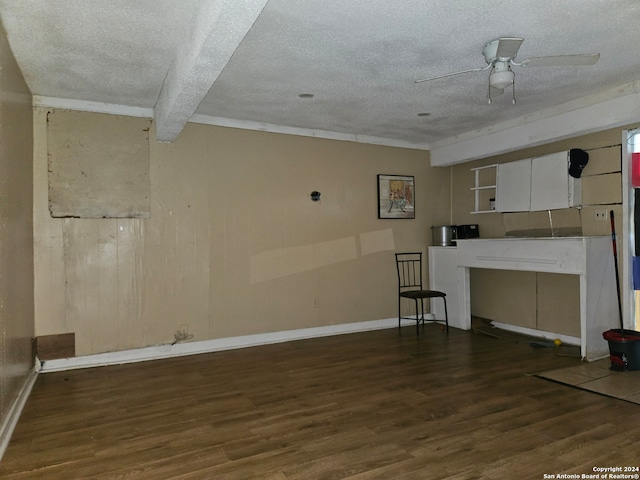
(315, 196)
(578, 159)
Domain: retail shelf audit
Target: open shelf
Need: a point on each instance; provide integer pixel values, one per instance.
(484, 188)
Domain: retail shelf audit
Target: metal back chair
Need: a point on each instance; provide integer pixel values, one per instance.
(409, 266)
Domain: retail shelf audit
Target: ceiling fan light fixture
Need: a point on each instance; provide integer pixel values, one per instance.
(500, 55)
(501, 79)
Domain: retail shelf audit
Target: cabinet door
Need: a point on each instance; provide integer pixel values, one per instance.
(550, 182)
(444, 276)
(513, 186)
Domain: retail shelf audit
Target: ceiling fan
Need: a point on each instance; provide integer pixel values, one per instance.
(500, 56)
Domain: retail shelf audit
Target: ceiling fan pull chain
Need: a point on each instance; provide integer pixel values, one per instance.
(489, 86)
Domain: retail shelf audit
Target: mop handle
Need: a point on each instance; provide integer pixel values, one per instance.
(613, 234)
(615, 264)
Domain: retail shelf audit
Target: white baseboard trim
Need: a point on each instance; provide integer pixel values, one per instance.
(11, 420)
(207, 346)
(537, 333)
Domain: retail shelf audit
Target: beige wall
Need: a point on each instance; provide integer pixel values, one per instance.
(234, 245)
(533, 300)
(16, 232)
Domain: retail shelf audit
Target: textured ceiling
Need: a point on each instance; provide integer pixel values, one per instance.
(245, 62)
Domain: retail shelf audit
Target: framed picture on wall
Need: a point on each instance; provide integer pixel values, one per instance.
(396, 196)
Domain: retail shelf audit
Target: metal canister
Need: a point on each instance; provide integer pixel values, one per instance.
(443, 235)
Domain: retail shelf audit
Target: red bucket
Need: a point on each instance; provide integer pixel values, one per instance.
(624, 349)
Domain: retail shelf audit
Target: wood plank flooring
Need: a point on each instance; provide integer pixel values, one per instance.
(376, 405)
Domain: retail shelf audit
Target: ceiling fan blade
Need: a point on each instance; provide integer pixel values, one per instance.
(562, 60)
(508, 47)
(452, 74)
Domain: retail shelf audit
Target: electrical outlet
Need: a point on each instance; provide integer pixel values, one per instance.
(600, 215)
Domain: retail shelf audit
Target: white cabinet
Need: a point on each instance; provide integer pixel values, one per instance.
(444, 276)
(513, 192)
(535, 184)
(551, 185)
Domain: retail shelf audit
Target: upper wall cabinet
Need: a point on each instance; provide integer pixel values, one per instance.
(551, 185)
(540, 183)
(513, 186)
